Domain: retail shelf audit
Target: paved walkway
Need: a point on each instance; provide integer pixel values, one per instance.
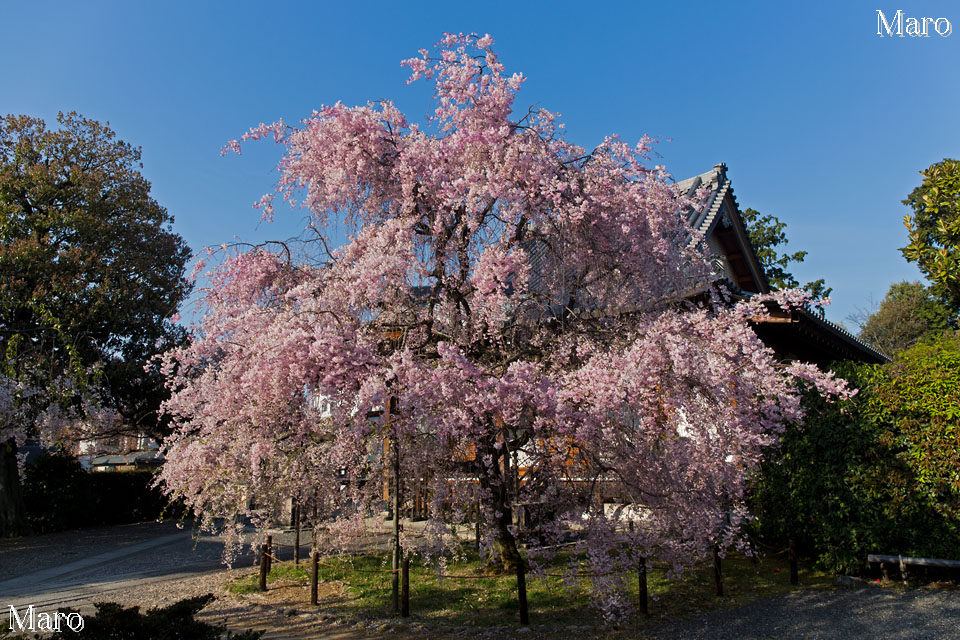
(76, 568)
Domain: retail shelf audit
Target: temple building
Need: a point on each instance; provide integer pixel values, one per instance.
(798, 335)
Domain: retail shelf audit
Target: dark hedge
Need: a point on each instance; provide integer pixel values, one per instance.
(60, 495)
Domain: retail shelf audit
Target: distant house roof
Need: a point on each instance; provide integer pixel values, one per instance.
(802, 334)
(146, 458)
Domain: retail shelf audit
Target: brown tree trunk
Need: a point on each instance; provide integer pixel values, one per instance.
(492, 481)
(503, 541)
(12, 515)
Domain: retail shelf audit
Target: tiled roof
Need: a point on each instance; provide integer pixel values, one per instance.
(703, 220)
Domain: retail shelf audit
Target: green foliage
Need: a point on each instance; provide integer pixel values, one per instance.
(921, 399)
(60, 495)
(90, 271)
(850, 482)
(118, 497)
(909, 313)
(934, 228)
(176, 622)
(766, 234)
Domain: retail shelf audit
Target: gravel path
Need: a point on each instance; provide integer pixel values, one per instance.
(22, 556)
(866, 612)
(862, 613)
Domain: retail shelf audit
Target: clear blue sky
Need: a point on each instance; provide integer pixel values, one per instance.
(821, 122)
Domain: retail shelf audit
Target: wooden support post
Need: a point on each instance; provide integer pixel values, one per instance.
(269, 553)
(296, 533)
(717, 571)
(522, 592)
(263, 567)
(397, 551)
(642, 587)
(476, 533)
(314, 577)
(794, 573)
(405, 588)
(395, 490)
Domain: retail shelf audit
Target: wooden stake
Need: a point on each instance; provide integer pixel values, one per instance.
(405, 589)
(397, 551)
(717, 571)
(477, 531)
(296, 533)
(522, 592)
(269, 553)
(263, 567)
(794, 574)
(642, 587)
(314, 577)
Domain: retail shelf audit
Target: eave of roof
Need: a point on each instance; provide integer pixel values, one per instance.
(844, 335)
(704, 220)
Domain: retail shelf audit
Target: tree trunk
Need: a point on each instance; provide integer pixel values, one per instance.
(505, 544)
(12, 516)
(493, 482)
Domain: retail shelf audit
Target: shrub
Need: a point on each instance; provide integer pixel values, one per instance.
(56, 493)
(850, 482)
(118, 497)
(175, 622)
(60, 495)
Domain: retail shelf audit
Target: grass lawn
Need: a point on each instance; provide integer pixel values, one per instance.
(491, 602)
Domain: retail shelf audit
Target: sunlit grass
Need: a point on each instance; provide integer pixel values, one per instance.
(492, 601)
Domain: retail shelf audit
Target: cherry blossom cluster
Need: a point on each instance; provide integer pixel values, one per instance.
(68, 407)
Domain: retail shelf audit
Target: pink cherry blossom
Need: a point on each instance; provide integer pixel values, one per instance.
(522, 321)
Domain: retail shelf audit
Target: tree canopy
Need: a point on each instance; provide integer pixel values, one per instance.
(91, 270)
(909, 313)
(90, 275)
(515, 321)
(934, 228)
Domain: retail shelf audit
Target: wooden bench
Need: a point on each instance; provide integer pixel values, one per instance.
(902, 562)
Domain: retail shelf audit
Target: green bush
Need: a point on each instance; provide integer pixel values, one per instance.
(176, 622)
(60, 495)
(849, 481)
(119, 497)
(920, 397)
(56, 493)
